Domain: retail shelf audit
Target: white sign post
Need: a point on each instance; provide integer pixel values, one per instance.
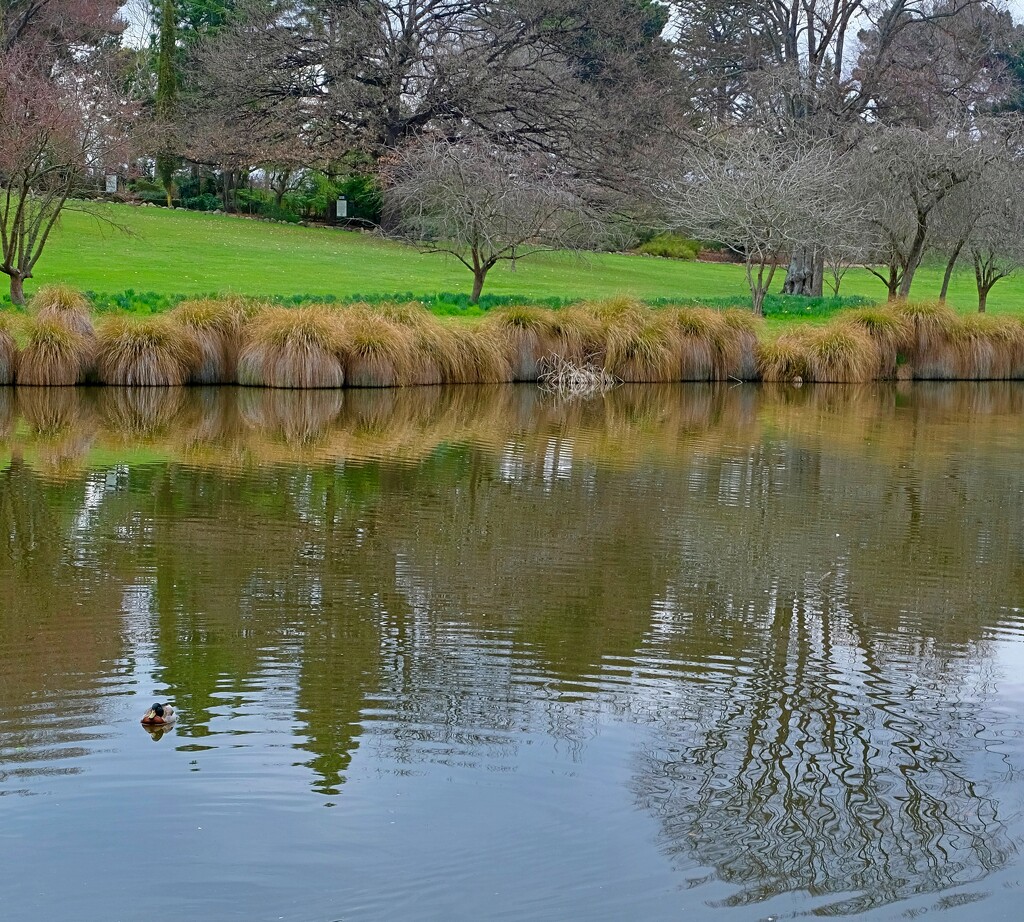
(342, 207)
(112, 183)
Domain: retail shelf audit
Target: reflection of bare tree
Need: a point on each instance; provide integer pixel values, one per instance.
(829, 762)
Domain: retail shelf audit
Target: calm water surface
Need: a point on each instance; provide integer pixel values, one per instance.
(674, 653)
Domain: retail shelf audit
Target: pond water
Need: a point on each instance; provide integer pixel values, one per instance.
(689, 652)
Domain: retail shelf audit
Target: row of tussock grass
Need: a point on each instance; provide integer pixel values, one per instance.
(925, 341)
(238, 340)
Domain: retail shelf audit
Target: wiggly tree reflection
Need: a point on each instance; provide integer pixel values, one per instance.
(833, 764)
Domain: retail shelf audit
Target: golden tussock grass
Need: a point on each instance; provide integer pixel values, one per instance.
(380, 352)
(293, 348)
(709, 345)
(933, 354)
(745, 330)
(892, 332)
(55, 354)
(781, 360)
(487, 359)
(65, 304)
(839, 353)
(216, 325)
(8, 352)
(534, 334)
(153, 352)
(645, 350)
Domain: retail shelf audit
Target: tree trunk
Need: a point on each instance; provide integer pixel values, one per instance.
(805, 275)
(17, 291)
(915, 253)
(983, 298)
(478, 284)
(953, 257)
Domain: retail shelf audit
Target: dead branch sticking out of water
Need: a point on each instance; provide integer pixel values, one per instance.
(572, 380)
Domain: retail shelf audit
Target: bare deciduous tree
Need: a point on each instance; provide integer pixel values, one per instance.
(484, 203)
(736, 192)
(57, 120)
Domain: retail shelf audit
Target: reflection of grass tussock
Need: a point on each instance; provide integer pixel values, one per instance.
(65, 304)
(62, 425)
(216, 326)
(295, 417)
(8, 352)
(55, 354)
(297, 348)
(141, 412)
(380, 352)
(891, 331)
(146, 353)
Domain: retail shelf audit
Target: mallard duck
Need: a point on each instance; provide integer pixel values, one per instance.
(159, 714)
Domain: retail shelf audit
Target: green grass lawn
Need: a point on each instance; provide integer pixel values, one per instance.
(177, 252)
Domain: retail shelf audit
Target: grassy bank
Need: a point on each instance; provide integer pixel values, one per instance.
(168, 255)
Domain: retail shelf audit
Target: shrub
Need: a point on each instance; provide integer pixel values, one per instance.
(300, 347)
(55, 354)
(146, 353)
(670, 246)
(205, 202)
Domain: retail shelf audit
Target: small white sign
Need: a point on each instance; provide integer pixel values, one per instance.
(342, 207)
(112, 184)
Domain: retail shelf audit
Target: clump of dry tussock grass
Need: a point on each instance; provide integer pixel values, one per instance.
(745, 330)
(892, 332)
(648, 349)
(380, 352)
(535, 335)
(487, 360)
(152, 352)
(8, 352)
(293, 348)
(934, 353)
(781, 360)
(708, 344)
(64, 304)
(55, 354)
(216, 326)
(839, 353)
(439, 358)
